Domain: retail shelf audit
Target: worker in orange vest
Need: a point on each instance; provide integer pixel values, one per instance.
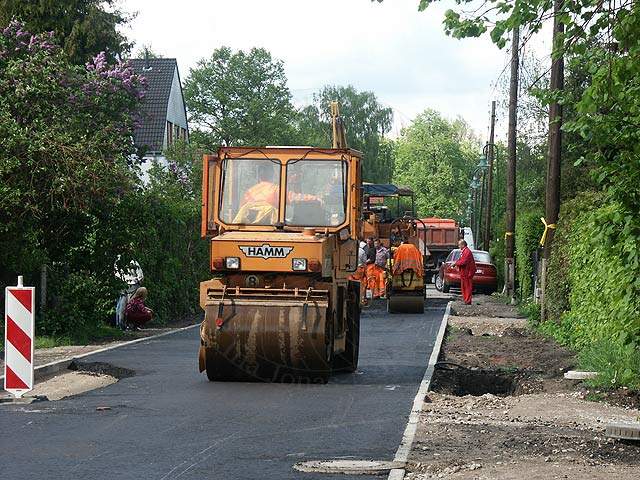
(265, 191)
(360, 275)
(373, 271)
(407, 257)
(467, 266)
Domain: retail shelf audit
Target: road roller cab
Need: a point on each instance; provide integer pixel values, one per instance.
(283, 224)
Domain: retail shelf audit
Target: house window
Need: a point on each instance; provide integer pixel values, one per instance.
(176, 134)
(169, 134)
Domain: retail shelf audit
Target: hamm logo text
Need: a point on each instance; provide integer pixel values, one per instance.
(265, 251)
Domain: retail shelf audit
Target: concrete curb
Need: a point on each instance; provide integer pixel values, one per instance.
(402, 454)
(58, 366)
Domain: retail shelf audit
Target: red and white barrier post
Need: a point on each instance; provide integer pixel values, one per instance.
(19, 331)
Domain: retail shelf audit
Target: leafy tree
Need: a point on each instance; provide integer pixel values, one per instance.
(239, 98)
(435, 157)
(311, 128)
(166, 226)
(582, 19)
(366, 120)
(386, 163)
(596, 264)
(66, 135)
(84, 28)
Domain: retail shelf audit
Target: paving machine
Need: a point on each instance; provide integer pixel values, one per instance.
(283, 224)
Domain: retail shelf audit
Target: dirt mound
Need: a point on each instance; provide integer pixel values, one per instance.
(485, 306)
(501, 408)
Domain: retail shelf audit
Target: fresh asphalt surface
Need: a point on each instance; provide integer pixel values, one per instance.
(167, 421)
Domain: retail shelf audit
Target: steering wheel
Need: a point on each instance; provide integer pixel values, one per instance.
(257, 213)
(406, 226)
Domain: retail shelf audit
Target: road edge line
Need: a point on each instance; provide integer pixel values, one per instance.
(402, 454)
(56, 366)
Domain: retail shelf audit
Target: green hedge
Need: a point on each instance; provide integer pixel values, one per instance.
(593, 295)
(158, 226)
(529, 228)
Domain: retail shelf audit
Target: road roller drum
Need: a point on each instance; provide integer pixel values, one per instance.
(268, 339)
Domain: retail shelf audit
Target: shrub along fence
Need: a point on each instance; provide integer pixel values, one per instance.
(528, 231)
(593, 297)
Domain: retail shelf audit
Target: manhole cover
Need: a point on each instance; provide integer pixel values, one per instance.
(624, 431)
(349, 467)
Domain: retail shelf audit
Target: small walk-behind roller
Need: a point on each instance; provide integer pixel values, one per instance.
(406, 293)
(406, 289)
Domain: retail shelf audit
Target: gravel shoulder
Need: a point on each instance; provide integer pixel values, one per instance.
(500, 408)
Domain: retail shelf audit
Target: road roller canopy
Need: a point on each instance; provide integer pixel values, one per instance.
(284, 188)
(388, 201)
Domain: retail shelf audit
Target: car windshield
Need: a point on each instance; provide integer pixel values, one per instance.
(250, 191)
(453, 256)
(316, 193)
(482, 257)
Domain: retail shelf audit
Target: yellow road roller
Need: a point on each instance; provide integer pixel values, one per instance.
(283, 225)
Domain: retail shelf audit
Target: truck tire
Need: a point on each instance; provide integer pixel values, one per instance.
(347, 362)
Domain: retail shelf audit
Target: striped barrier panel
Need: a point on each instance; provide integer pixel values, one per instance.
(19, 338)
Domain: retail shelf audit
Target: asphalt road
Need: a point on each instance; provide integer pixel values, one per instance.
(167, 421)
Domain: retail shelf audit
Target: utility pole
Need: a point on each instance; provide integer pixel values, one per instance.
(481, 209)
(474, 213)
(552, 200)
(509, 262)
(490, 156)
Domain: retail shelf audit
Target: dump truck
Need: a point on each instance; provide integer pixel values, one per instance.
(283, 225)
(441, 235)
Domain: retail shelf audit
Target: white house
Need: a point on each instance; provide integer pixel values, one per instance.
(163, 117)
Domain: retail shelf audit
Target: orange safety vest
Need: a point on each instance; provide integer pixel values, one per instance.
(407, 257)
(263, 192)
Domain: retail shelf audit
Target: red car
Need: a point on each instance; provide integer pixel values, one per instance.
(485, 280)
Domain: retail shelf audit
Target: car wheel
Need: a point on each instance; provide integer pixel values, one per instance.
(445, 287)
(438, 282)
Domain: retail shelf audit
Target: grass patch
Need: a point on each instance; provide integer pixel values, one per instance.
(450, 333)
(501, 297)
(102, 333)
(44, 341)
(595, 397)
(617, 364)
(531, 310)
(508, 369)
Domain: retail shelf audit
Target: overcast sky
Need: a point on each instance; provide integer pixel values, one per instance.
(391, 49)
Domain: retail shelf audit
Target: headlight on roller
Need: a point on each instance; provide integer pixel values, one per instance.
(232, 263)
(299, 264)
